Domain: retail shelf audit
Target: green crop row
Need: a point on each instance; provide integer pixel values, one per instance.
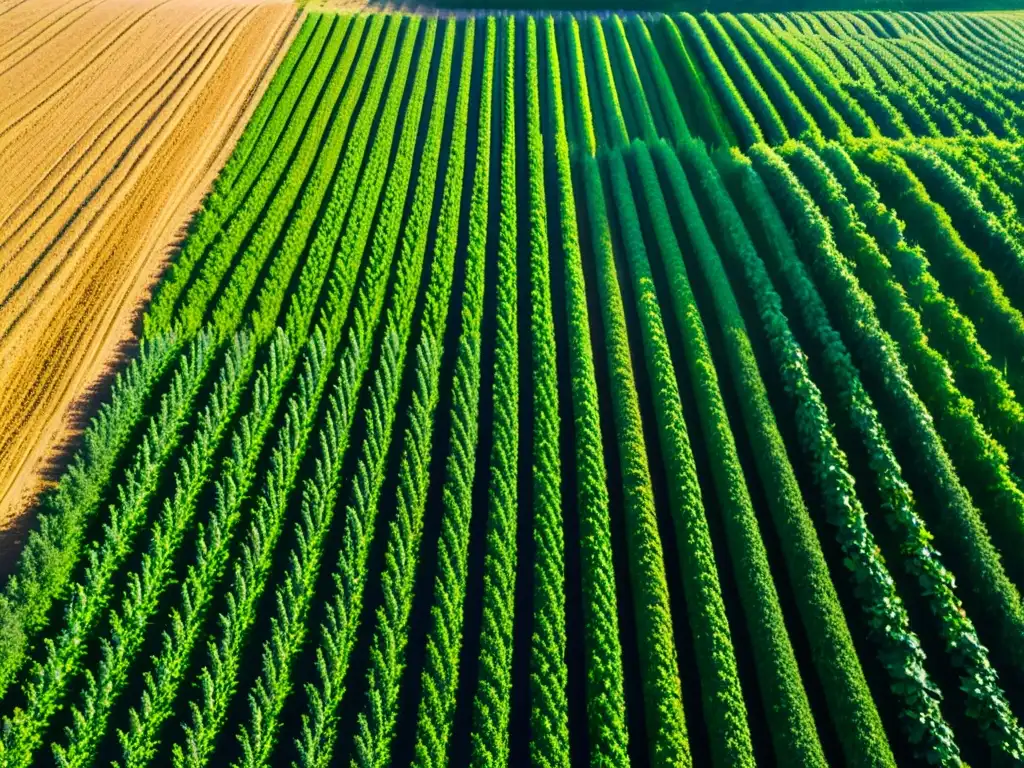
(320, 254)
(141, 742)
(219, 678)
(852, 708)
(725, 711)
(792, 726)
(285, 89)
(207, 275)
(796, 115)
(46, 564)
(155, 574)
(250, 151)
(269, 250)
(711, 35)
(377, 719)
(815, 88)
(268, 694)
(444, 638)
(659, 666)
(606, 705)
(948, 329)
(44, 688)
(664, 93)
(492, 698)
(549, 710)
(656, 476)
(921, 560)
(899, 647)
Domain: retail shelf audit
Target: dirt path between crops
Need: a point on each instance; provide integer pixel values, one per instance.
(115, 116)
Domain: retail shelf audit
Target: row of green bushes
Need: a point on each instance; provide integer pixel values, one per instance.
(492, 705)
(444, 637)
(549, 676)
(606, 703)
(254, 147)
(219, 678)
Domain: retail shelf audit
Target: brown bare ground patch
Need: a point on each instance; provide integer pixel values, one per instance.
(115, 116)
(346, 6)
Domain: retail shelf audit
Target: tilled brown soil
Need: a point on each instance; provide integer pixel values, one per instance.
(115, 116)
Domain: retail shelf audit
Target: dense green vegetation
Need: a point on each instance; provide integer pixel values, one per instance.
(563, 390)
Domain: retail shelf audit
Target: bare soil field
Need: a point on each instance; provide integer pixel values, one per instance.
(115, 116)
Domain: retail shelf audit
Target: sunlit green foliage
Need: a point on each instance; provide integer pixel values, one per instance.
(522, 378)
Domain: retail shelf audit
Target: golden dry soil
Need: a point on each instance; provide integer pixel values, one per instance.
(115, 116)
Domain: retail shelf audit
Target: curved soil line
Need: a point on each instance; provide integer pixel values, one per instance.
(87, 319)
(82, 53)
(94, 201)
(106, 127)
(126, 170)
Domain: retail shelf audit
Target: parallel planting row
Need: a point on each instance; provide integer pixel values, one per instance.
(622, 391)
